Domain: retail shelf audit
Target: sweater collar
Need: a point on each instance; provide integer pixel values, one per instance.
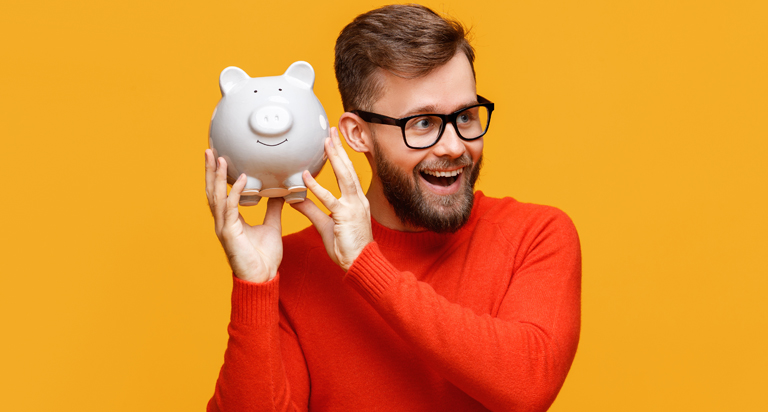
(394, 239)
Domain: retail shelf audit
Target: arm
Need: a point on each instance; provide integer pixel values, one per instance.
(253, 377)
(262, 356)
(516, 359)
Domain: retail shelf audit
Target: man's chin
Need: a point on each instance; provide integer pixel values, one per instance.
(419, 203)
(440, 208)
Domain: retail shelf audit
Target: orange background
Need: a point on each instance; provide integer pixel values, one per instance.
(644, 121)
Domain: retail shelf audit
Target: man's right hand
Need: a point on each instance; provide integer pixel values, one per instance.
(254, 252)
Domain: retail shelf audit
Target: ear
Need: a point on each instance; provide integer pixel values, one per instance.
(230, 77)
(302, 72)
(356, 132)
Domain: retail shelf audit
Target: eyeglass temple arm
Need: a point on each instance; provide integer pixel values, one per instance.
(376, 118)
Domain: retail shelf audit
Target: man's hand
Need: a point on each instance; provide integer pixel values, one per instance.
(254, 252)
(348, 230)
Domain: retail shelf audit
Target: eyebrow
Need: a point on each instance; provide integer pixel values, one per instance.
(432, 109)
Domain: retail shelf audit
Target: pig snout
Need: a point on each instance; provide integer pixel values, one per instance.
(271, 121)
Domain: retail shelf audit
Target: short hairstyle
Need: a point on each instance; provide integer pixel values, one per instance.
(407, 40)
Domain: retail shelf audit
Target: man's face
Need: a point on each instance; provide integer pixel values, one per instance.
(428, 188)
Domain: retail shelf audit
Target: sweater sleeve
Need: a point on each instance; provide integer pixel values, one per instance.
(264, 368)
(516, 360)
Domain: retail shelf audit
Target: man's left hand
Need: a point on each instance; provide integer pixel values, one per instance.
(348, 229)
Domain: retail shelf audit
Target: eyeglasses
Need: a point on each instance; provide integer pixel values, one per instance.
(425, 130)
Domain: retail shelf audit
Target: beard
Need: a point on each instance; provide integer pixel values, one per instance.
(417, 206)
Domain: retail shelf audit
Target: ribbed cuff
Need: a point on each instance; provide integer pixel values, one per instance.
(371, 274)
(254, 303)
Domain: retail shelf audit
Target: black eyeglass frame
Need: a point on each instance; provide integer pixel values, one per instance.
(445, 118)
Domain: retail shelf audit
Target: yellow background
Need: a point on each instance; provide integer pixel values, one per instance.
(644, 121)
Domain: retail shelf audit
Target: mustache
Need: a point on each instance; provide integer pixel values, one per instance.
(442, 163)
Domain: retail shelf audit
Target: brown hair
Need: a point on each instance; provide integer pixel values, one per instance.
(407, 40)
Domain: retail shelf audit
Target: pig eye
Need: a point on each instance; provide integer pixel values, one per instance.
(255, 91)
(280, 90)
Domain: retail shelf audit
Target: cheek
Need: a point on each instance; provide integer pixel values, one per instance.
(475, 149)
(409, 163)
(404, 158)
(396, 154)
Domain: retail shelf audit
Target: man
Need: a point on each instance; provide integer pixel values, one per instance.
(434, 298)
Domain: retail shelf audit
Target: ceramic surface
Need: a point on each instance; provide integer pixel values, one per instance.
(271, 129)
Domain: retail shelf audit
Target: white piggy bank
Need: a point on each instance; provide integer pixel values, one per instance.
(271, 129)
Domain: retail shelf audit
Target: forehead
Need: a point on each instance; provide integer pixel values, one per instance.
(444, 90)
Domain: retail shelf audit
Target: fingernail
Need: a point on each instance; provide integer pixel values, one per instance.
(330, 141)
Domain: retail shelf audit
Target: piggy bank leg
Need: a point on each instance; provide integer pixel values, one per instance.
(295, 183)
(252, 186)
(252, 200)
(250, 196)
(295, 197)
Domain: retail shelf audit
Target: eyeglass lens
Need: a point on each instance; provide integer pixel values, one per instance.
(423, 131)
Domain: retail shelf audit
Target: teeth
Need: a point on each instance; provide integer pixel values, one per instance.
(444, 174)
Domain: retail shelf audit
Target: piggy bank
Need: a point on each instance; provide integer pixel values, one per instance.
(271, 129)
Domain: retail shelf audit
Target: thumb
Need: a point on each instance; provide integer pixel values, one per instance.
(322, 222)
(273, 214)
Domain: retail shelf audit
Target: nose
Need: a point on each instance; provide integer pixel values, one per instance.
(271, 121)
(449, 145)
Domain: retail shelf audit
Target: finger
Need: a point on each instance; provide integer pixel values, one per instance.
(347, 160)
(323, 195)
(233, 199)
(322, 222)
(210, 174)
(337, 143)
(344, 176)
(220, 190)
(309, 209)
(274, 209)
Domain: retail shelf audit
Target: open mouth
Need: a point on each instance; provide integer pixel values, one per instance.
(271, 145)
(443, 179)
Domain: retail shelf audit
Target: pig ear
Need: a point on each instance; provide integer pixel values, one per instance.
(230, 77)
(303, 72)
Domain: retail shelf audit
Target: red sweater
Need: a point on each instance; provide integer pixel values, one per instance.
(484, 318)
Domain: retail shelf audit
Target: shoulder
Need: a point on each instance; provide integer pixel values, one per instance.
(519, 220)
(536, 235)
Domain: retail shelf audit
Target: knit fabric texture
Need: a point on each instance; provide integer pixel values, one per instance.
(486, 318)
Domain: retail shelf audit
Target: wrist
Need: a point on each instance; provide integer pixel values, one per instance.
(353, 257)
(257, 278)
(255, 275)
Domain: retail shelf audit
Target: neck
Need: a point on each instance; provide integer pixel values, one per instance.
(383, 212)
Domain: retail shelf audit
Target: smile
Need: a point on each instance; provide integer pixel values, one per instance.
(440, 178)
(272, 145)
